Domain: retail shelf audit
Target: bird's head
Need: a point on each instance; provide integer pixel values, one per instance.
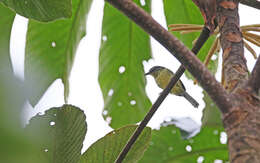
(154, 71)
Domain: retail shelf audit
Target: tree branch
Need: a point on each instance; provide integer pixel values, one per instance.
(204, 35)
(180, 51)
(251, 3)
(254, 79)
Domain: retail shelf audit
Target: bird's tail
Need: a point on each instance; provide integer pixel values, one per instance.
(191, 99)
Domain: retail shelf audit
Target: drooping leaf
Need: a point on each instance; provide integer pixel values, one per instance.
(51, 48)
(211, 113)
(41, 10)
(121, 75)
(107, 149)
(186, 12)
(6, 21)
(167, 146)
(61, 132)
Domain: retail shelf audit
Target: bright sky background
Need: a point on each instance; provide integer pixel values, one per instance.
(84, 89)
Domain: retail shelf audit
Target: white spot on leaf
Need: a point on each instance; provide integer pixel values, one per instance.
(142, 2)
(132, 102)
(200, 159)
(53, 44)
(121, 69)
(223, 138)
(108, 120)
(104, 38)
(52, 123)
(105, 112)
(188, 148)
(110, 92)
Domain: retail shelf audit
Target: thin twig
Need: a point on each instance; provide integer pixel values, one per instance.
(252, 35)
(183, 25)
(250, 49)
(212, 50)
(250, 39)
(185, 28)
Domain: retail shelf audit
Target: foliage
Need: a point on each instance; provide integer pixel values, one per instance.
(57, 135)
(187, 16)
(167, 146)
(190, 14)
(15, 144)
(41, 10)
(51, 48)
(121, 74)
(211, 114)
(106, 149)
(6, 21)
(61, 132)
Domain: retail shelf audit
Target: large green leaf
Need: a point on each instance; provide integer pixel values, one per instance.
(41, 10)
(167, 146)
(50, 49)
(6, 21)
(121, 74)
(61, 132)
(211, 113)
(106, 149)
(185, 12)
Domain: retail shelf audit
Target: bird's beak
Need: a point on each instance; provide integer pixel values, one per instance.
(148, 73)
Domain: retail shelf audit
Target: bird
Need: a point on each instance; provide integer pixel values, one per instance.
(162, 78)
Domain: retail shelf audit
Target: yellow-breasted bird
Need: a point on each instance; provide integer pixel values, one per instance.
(163, 76)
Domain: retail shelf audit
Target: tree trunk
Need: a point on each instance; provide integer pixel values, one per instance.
(242, 121)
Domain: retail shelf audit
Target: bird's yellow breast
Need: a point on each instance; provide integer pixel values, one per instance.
(163, 80)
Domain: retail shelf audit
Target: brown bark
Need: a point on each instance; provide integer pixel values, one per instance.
(242, 122)
(208, 11)
(234, 63)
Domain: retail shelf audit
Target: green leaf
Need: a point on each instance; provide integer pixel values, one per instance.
(41, 10)
(51, 48)
(167, 146)
(6, 21)
(123, 49)
(211, 113)
(61, 132)
(106, 149)
(185, 12)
